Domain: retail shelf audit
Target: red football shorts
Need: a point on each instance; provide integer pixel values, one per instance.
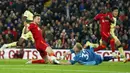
(105, 36)
(41, 47)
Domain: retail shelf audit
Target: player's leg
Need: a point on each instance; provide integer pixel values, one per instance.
(112, 44)
(103, 44)
(40, 61)
(100, 47)
(20, 42)
(44, 59)
(89, 63)
(90, 44)
(51, 54)
(24, 37)
(42, 45)
(120, 48)
(108, 58)
(109, 39)
(13, 44)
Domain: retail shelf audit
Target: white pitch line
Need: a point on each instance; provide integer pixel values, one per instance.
(32, 65)
(96, 71)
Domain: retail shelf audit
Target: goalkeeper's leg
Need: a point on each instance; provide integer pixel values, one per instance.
(108, 58)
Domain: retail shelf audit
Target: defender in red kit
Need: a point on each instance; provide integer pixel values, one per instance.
(40, 43)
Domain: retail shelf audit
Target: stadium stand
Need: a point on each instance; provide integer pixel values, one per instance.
(64, 21)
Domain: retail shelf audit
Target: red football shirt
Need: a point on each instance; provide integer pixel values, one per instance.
(104, 23)
(36, 31)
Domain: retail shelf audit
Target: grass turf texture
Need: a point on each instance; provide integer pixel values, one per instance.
(19, 66)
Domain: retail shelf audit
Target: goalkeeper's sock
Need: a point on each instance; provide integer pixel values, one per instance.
(12, 44)
(101, 47)
(42, 61)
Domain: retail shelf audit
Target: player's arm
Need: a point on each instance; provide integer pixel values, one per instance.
(24, 17)
(116, 27)
(65, 54)
(92, 20)
(110, 18)
(26, 30)
(117, 24)
(71, 62)
(97, 17)
(65, 63)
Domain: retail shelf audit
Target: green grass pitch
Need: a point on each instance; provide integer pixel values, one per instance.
(19, 66)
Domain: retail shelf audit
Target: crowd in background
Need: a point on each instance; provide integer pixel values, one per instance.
(64, 21)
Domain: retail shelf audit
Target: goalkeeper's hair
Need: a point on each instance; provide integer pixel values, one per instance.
(79, 46)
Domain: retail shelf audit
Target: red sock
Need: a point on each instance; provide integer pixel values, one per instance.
(112, 43)
(42, 61)
(100, 47)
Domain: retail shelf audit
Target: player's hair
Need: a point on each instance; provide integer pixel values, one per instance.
(114, 8)
(79, 46)
(36, 15)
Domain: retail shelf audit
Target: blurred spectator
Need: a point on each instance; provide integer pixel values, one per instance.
(72, 39)
(1, 27)
(19, 54)
(15, 34)
(1, 40)
(63, 21)
(63, 36)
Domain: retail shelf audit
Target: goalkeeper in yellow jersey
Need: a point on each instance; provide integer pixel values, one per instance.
(27, 18)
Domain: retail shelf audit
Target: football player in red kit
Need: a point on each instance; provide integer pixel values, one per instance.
(105, 19)
(40, 43)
